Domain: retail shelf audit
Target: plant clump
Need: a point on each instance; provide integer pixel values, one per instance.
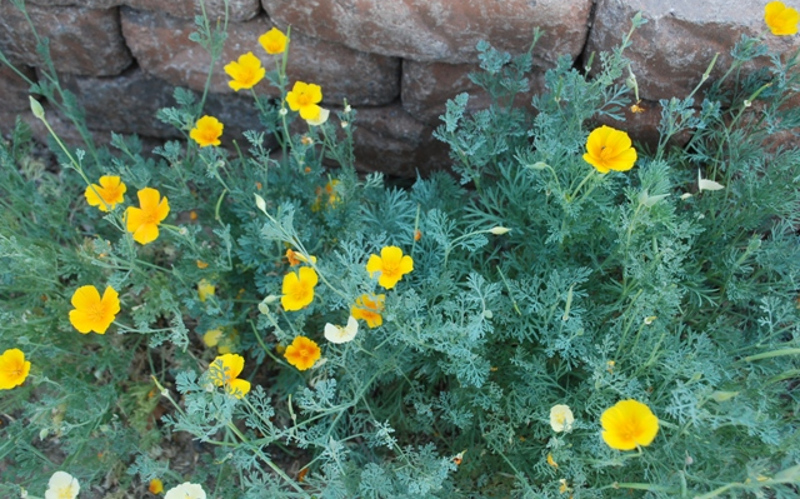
(571, 314)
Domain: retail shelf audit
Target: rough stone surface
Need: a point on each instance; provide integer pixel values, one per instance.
(440, 30)
(82, 41)
(14, 89)
(125, 104)
(672, 51)
(389, 140)
(128, 104)
(238, 10)
(427, 86)
(13, 96)
(643, 126)
(162, 47)
(64, 128)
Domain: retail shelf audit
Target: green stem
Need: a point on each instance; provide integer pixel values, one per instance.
(267, 460)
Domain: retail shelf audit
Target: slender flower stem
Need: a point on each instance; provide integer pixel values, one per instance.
(577, 189)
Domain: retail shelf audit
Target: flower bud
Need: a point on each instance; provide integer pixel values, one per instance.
(539, 165)
(499, 231)
(262, 205)
(36, 108)
(263, 307)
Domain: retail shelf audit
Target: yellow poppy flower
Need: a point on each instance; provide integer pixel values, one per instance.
(552, 462)
(212, 337)
(392, 265)
(205, 289)
(228, 376)
(207, 131)
(13, 368)
(245, 72)
(156, 486)
(217, 338)
(304, 97)
(91, 312)
(143, 222)
(780, 19)
(298, 288)
(629, 424)
(273, 41)
(303, 353)
(369, 308)
(106, 195)
(609, 149)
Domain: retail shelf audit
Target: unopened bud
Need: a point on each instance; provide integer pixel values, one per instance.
(262, 205)
(499, 231)
(283, 111)
(539, 165)
(263, 307)
(722, 396)
(36, 108)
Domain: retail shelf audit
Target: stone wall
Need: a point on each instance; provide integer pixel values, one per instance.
(396, 61)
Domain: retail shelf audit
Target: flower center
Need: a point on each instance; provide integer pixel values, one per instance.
(110, 194)
(66, 492)
(210, 135)
(151, 217)
(629, 431)
(304, 100)
(246, 74)
(98, 312)
(301, 291)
